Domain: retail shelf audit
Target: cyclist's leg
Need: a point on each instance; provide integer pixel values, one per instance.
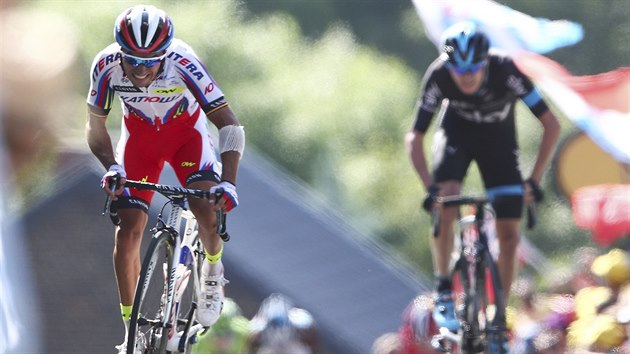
(196, 167)
(442, 245)
(508, 234)
(499, 170)
(127, 252)
(137, 153)
(450, 163)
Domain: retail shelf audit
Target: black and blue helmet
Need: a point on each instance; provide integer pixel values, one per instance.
(465, 45)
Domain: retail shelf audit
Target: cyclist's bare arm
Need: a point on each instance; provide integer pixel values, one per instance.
(98, 137)
(230, 159)
(415, 147)
(551, 128)
(550, 136)
(100, 142)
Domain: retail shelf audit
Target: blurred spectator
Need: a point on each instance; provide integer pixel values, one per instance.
(388, 343)
(598, 327)
(228, 335)
(524, 317)
(550, 341)
(35, 72)
(280, 327)
(38, 49)
(418, 326)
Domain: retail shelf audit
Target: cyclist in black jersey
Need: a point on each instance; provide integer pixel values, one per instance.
(475, 91)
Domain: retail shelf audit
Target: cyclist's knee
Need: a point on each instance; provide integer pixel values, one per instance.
(508, 233)
(450, 187)
(132, 224)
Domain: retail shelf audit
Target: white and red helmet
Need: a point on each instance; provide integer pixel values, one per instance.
(143, 29)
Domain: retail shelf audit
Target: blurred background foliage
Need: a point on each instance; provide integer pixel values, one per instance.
(327, 90)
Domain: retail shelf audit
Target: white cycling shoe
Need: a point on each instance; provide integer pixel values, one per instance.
(211, 298)
(141, 345)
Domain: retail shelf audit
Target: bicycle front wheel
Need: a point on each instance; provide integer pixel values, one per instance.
(148, 315)
(493, 306)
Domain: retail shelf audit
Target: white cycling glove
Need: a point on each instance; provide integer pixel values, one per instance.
(229, 194)
(115, 172)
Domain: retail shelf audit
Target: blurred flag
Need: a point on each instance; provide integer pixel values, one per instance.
(508, 29)
(603, 209)
(598, 104)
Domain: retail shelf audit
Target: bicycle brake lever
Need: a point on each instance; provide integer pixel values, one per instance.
(221, 217)
(221, 226)
(435, 217)
(107, 209)
(531, 215)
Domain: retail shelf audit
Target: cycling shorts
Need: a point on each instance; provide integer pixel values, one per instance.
(498, 167)
(184, 143)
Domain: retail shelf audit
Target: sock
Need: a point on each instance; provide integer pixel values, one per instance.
(214, 259)
(213, 264)
(442, 283)
(126, 311)
(126, 315)
(126, 322)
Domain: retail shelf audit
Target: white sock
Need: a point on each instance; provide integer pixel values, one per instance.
(212, 269)
(126, 322)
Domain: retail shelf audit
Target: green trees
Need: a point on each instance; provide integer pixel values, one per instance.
(327, 108)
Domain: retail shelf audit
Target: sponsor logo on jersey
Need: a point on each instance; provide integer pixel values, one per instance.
(430, 99)
(188, 64)
(496, 115)
(151, 99)
(167, 90)
(104, 62)
(126, 88)
(188, 164)
(138, 202)
(517, 85)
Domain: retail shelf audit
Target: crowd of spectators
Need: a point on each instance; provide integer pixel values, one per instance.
(277, 327)
(583, 309)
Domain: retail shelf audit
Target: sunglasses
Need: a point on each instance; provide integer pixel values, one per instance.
(470, 69)
(137, 61)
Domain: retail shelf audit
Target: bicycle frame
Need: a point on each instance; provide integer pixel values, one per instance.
(473, 265)
(185, 255)
(185, 251)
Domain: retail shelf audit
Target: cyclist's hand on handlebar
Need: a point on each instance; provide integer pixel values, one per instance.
(429, 199)
(229, 199)
(533, 191)
(113, 181)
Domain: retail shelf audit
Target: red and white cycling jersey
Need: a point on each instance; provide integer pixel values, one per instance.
(162, 122)
(182, 86)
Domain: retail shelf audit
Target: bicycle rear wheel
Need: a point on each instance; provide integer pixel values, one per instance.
(148, 313)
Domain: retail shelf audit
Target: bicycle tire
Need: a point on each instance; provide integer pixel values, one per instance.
(148, 304)
(496, 324)
(471, 331)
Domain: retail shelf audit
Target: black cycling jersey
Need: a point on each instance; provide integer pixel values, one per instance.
(493, 103)
(480, 126)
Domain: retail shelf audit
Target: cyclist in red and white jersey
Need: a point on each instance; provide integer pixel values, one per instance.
(166, 94)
